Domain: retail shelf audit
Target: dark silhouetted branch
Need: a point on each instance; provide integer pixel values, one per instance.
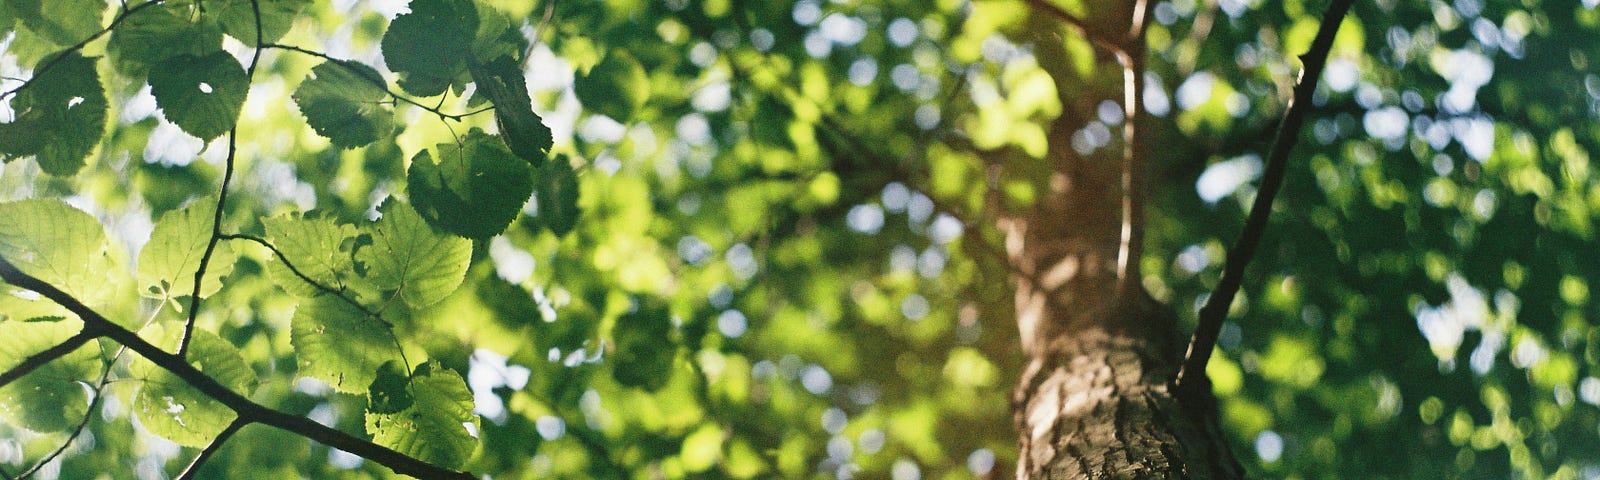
(97, 325)
(1216, 308)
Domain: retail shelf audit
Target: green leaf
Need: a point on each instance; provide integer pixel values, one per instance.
(161, 32)
(616, 87)
(339, 344)
(476, 189)
(59, 118)
(172, 409)
(558, 196)
(342, 101)
(433, 429)
(238, 18)
(49, 399)
(521, 129)
(63, 22)
(644, 354)
(496, 35)
(61, 245)
(428, 46)
(389, 392)
(421, 264)
(318, 246)
(168, 261)
(202, 95)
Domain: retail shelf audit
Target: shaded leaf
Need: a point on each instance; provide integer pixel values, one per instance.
(558, 196)
(429, 45)
(59, 118)
(342, 101)
(616, 87)
(522, 130)
(63, 22)
(644, 354)
(161, 32)
(202, 95)
(389, 392)
(475, 190)
(238, 18)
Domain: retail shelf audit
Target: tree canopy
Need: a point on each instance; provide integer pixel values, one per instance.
(729, 239)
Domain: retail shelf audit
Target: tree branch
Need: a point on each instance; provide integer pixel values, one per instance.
(37, 360)
(1191, 375)
(1111, 44)
(211, 448)
(51, 63)
(99, 325)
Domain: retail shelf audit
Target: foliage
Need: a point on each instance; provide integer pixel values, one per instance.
(707, 238)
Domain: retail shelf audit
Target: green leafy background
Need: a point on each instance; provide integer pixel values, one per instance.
(756, 239)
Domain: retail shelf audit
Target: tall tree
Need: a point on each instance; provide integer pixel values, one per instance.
(809, 239)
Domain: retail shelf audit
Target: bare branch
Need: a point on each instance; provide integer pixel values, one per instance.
(47, 65)
(247, 410)
(37, 360)
(211, 448)
(1191, 375)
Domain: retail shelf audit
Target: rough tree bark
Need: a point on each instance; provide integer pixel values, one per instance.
(1096, 398)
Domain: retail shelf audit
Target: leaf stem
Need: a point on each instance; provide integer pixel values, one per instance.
(379, 82)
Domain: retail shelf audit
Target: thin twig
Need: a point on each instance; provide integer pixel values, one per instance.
(1191, 376)
(99, 396)
(216, 444)
(37, 360)
(222, 197)
(244, 407)
(1132, 58)
(379, 82)
(297, 273)
(549, 12)
(51, 63)
(1094, 36)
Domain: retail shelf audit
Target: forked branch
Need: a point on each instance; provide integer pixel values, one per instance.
(1192, 373)
(96, 325)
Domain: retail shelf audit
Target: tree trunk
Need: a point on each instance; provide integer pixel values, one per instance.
(1096, 398)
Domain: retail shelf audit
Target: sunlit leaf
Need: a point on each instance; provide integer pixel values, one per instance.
(169, 260)
(421, 264)
(172, 409)
(58, 244)
(319, 247)
(433, 429)
(49, 399)
(339, 344)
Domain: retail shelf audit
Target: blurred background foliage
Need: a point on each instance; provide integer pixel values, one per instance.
(786, 264)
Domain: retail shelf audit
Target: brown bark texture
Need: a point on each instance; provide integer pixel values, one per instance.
(1096, 399)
